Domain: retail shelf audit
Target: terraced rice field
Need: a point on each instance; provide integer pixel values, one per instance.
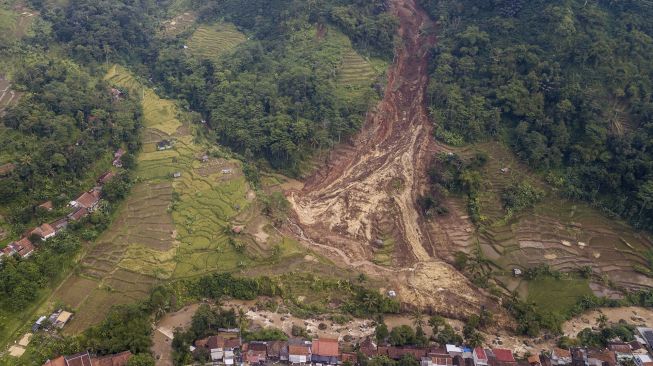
(562, 234)
(167, 228)
(212, 41)
(356, 70)
(8, 97)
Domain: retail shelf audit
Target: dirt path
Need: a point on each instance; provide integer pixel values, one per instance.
(367, 190)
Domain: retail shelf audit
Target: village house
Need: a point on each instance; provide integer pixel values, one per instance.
(480, 357)
(274, 349)
(45, 232)
(643, 360)
(255, 352)
(88, 200)
(602, 358)
(299, 353)
(560, 357)
(579, 356)
(164, 145)
(534, 360)
(325, 351)
(622, 351)
(500, 357)
(47, 206)
(78, 214)
(59, 224)
(437, 358)
(368, 347)
(454, 350)
(85, 359)
(23, 247)
(104, 178)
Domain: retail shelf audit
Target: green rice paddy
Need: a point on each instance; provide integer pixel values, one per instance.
(212, 41)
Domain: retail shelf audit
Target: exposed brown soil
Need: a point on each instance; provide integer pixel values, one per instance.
(367, 189)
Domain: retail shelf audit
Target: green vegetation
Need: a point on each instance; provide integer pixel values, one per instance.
(285, 94)
(567, 84)
(211, 42)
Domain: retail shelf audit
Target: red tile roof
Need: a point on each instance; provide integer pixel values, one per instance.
(104, 178)
(326, 347)
(24, 248)
(80, 359)
(215, 342)
(503, 355)
(43, 230)
(88, 199)
(80, 213)
(561, 353)
(119, 359)
(299, 349)
(480, 353)
(59, 361)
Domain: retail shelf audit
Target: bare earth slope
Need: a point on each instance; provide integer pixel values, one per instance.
(366, 192)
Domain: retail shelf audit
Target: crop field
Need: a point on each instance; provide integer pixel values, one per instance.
(212, 41)
(557, 295)
(168, 228)
(8, 97)
(562, 234)
(356, 74)
(179, 24)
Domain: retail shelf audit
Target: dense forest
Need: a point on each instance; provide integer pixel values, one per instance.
(276, 97)
(567, 84)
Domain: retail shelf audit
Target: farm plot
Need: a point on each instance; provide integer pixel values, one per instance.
(15, 23)
(562, 234)
(8, 97)
(168, 227)
(212, 41)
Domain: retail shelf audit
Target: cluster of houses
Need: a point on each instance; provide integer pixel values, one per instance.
(227, 349)
(86, 359)
(82, 206)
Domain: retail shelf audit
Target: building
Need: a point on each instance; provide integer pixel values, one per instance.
(368, 347)
(47, 206)
(78, 214)
(534, 360)
(643, 360)
(59, 224)
(480, 357)
(274, 349)
(579, 356)
(88, 200)
(501, 357)
(119, 359)
(62, 319)
(104, 178)
(437, 358)
(23, 248)
(602, 358)
(325, 351)
(299, 353)
(255, 352)
(85, 359)
(454, 350)
(164, 145)
(45, 232)
(560, 357)
(622, 351)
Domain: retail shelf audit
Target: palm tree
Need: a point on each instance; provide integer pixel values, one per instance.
(602, 321)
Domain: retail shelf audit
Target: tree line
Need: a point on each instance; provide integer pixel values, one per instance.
(567, 84)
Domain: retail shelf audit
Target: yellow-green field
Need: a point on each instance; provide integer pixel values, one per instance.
(212, 41)
(170, 228)
(15, 20)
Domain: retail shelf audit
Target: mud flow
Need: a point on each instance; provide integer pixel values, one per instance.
(365, 194)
